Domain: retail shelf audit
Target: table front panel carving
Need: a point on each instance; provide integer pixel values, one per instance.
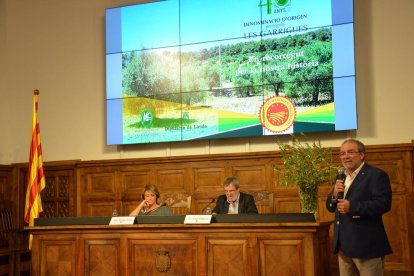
(176, 249)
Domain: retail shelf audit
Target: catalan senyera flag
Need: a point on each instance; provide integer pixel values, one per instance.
(35, 176)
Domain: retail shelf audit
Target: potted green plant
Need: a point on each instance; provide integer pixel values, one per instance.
(306, 165)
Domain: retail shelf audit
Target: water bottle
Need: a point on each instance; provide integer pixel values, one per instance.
(115, 213)
(208, 211)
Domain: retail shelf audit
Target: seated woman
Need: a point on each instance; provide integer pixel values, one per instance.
(150, 204)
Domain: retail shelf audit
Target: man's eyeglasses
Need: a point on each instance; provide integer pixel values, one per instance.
(349, 152)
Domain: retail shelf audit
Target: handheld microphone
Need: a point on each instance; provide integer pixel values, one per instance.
(208, 205)
(341, 176)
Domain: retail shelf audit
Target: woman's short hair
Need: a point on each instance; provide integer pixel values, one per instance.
(153, 189)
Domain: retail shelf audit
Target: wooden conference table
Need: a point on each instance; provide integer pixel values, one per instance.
(268, 244)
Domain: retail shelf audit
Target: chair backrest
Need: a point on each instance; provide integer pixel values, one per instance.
(6, 226)
(179, 203)
(263, 200)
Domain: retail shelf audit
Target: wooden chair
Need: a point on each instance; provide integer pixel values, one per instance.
(180, 203)
(7, 234)
(7, 228)
(263, 200)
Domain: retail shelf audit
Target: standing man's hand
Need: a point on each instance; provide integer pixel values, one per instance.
(343, 206)
(339, 187)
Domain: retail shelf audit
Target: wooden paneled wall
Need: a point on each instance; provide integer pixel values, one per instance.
(95, 188)
(104, 186)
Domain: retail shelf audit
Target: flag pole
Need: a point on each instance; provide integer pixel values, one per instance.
(35, 175)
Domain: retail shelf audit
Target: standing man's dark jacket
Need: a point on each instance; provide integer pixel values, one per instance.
(246, 205)
(361, 233)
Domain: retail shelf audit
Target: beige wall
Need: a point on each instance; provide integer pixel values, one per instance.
(4, 126)
(58, 48)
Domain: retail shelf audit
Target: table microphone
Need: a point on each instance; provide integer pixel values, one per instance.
(341, 176)
(208, 205)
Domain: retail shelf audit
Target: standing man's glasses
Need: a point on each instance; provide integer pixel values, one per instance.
(349, 152)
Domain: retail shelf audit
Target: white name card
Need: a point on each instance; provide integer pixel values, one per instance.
(122, 221)
(197, 219)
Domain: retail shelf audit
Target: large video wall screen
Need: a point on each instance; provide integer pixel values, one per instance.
(180, 70)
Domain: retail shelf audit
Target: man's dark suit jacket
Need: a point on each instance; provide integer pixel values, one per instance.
(246, 205)
(361, 233)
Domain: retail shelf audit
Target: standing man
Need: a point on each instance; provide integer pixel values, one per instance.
(359, 234)
(234, 201)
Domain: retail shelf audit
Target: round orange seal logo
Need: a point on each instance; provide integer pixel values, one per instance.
(277, 113)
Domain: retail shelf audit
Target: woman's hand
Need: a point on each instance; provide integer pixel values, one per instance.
(138, 209)
(143, 206)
